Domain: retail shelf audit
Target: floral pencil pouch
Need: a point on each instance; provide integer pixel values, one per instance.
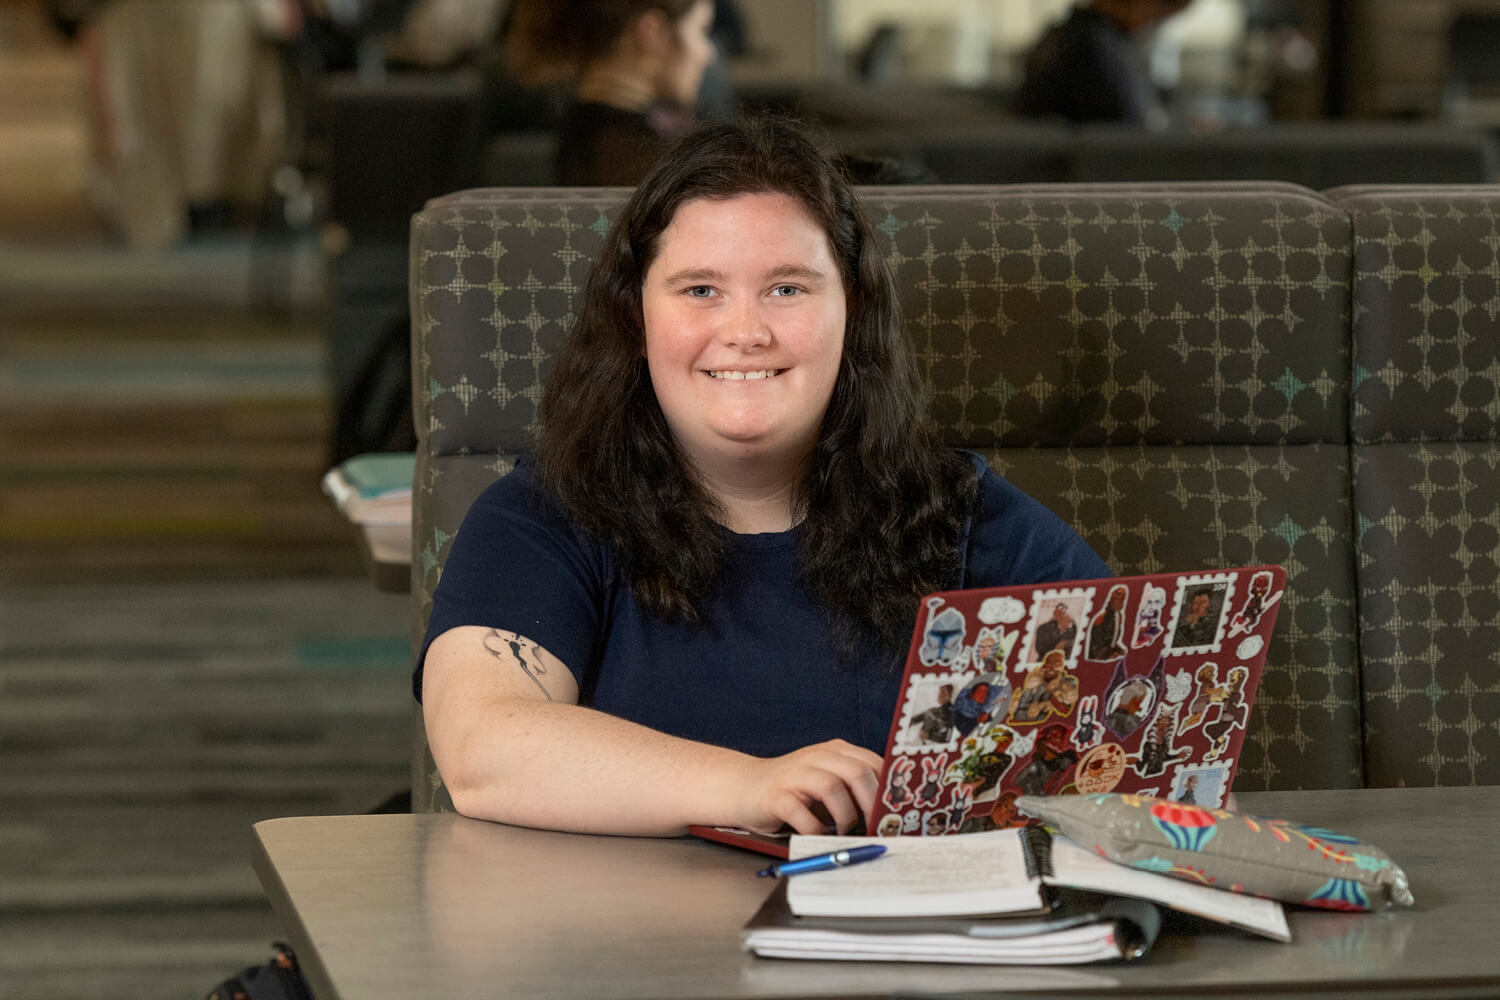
(1273, 858)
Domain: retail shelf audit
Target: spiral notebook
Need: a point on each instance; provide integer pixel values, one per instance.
(977, 891)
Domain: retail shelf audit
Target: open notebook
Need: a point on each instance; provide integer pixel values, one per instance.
(1133, 684)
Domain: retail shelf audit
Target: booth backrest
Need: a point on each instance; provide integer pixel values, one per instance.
(1170, 368)
(1426, 487)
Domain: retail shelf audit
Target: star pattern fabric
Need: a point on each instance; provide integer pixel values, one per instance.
(1192, 375)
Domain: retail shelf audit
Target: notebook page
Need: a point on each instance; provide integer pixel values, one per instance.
(1079, 868)
(980, 873)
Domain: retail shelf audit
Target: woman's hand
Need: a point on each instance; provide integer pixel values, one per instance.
(809, 789)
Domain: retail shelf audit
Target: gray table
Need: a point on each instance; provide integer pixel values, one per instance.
(442, 906)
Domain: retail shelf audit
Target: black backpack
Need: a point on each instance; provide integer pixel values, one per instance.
(278, 979)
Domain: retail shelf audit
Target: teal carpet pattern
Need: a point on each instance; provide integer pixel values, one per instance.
(143, 729)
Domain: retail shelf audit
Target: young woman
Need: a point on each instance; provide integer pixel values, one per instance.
(692, 606)
(633, 68)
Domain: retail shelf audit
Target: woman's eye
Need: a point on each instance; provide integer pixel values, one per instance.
(699, 291)
(785, 290)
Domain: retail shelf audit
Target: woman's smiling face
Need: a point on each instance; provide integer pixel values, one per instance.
(744, 313)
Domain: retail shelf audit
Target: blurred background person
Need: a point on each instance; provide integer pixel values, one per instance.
(374, 35)
(1091, 67)
(186, 111)
(633, 70)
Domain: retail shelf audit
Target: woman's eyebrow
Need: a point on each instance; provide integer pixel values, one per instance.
(709, 275)
(798, 271)
(694, 276)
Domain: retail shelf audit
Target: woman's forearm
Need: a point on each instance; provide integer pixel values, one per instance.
(514, 746)
(566, 767)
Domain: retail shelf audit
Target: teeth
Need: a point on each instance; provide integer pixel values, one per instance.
(735, 376)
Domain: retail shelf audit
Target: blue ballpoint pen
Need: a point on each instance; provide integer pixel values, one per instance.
(823, 862)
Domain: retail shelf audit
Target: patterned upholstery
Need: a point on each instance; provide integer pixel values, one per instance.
(1166, 366)
(494, 274)
(1426, 417)
(1144, 361)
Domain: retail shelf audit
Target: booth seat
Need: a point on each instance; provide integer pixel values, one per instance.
(1192, 374)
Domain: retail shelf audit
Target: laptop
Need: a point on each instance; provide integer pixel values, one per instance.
(1140, 685)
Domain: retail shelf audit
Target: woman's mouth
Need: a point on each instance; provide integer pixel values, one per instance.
(729, 375)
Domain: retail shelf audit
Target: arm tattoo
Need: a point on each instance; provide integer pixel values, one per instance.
(507, 646)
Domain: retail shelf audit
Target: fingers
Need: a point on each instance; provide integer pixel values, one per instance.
(792, 811)
(858, 772)
(838, 801)
(836, 778)
(867, 788)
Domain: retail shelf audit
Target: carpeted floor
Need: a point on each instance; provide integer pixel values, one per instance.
(187, 641)
(157, 441)
(143, 729)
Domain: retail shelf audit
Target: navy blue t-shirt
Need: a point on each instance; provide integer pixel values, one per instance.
(760, 671)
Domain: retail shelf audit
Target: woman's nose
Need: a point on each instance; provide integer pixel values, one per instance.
(746, 327)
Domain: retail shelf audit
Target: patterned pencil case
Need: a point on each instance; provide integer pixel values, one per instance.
(1273, 858)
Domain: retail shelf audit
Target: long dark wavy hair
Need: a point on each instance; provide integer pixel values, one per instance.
(882, 503)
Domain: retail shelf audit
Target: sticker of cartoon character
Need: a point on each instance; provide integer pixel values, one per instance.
(943, 637)
(1210, 693)
(1157, 749)
(1106, 634)
(1148, 627)
(977, 702)
(1233, 713)
(1047, 690)
(1044, 774)
(1100, 769)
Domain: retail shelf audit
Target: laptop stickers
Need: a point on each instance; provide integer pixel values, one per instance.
(1136, 684)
